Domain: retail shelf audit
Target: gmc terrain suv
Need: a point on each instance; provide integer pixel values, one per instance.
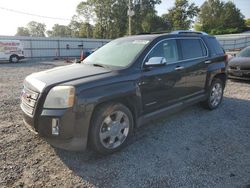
(99, 101)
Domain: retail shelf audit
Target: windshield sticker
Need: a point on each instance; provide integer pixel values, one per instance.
(140, 42)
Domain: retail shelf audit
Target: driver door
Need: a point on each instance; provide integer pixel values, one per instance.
(162, 85)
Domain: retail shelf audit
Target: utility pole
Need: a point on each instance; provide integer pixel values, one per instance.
(130, 14)
(129, 17)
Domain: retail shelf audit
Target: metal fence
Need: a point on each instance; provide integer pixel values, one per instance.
(234, 41)
(43, 47)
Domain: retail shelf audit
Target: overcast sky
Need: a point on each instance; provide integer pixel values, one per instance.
(10, 20)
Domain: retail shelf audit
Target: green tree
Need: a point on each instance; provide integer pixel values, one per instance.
(232, 17)
(103, 13)
(111, 16)
(74, 26)
(197, 27)
(210, 15)
(59, 31)
(181, 15)
(85, 11)
(247, 22)
(111, 20)
(36, 29)
(22, 31)
(153, 23)
(217, 17)
(86, 30)
(120, 19)
(80, 23)
(145, 16)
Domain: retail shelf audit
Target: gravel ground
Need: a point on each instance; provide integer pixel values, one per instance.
(193, 148)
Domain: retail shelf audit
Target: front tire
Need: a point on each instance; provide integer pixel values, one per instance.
(111, 127)
(14, 59)
(215, 95)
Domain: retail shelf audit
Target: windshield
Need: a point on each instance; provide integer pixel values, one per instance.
(119, 53)
(244, 53)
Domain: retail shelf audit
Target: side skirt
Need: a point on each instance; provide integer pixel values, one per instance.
(170, 109)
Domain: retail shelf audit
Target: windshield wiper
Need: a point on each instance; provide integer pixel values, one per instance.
(77, 61)
(100, 65)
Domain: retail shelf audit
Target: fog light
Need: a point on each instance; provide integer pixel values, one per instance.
(55, 126)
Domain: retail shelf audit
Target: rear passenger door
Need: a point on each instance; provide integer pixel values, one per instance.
(194, 55)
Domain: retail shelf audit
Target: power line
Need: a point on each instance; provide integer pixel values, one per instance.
(35, 15)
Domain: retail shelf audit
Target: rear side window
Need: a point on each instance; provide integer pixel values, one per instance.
(192, 48)
(215, 45)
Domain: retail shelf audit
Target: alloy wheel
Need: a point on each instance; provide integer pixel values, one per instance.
(216, 94)
(114, 130)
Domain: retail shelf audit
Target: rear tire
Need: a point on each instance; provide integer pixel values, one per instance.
(215, 95)
(111, 128)
(14, 59)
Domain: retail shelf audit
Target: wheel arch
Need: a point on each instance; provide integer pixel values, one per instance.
(14, 55)
(132, 102)
(221, 76)
(129, 102)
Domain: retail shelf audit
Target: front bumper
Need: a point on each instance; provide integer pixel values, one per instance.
(73, 128)
(239, 74)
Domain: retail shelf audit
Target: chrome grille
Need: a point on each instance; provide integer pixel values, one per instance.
(245, 68)
(232, 67)
(29, 100)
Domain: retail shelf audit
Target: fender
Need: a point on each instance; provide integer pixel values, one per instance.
(88, 99)
(215, 69)
(122, 91)
(221, 66)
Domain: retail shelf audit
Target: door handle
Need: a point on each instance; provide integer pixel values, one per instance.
(208, 61)
(179, 68)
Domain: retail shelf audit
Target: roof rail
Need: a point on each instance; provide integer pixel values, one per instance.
(188, 32)
(148, 33)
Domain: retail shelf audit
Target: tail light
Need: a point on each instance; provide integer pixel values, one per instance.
(226, 57)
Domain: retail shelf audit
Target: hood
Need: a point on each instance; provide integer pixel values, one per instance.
(40, 80)
(240, 61)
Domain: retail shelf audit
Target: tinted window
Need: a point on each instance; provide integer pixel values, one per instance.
(244, 53)
(204, 49)
(167, 49)
(192, 48)
(215, 45)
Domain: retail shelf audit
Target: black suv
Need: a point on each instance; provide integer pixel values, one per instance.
(99, 101)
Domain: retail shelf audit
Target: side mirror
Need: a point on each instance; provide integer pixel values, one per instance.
(156, 61)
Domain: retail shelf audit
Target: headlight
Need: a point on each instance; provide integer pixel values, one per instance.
(60, 97)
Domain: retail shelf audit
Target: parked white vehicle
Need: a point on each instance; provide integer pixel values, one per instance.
(11, 50)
